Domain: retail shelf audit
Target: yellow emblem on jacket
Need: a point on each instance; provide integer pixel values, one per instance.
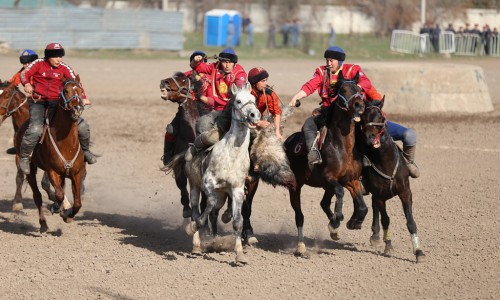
(222, 88)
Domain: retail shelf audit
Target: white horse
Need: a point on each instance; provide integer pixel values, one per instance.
(221, 173)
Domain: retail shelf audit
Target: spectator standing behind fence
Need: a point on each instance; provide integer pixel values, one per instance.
(285, 31)
(435, 32)
(271, 35)
(230, 34)
(486, 39)
(450, 28)
(295, 33)
(249, 31)
(467, 28)
(475, 42)
(331, 35)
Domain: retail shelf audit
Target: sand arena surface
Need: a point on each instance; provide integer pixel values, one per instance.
(128, 240)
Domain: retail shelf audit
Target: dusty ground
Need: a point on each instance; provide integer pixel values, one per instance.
(128, 242)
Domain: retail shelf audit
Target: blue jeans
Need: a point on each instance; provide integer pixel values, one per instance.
(400, 133)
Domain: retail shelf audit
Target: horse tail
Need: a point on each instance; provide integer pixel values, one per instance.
(176, 164)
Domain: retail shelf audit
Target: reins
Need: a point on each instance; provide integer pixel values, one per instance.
(346, 101)
(187, 96)
(75, 96)
(243, 118)
(68, 164)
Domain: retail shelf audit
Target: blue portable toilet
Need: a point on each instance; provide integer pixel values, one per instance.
(218, 24)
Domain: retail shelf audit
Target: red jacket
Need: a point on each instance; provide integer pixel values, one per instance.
(219, 93)
(46, 79)
(267, 102)
(322, 79)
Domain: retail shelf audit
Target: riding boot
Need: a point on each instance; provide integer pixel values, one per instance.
(11, 151)
(313, 156)
(25, 151)
(168, 149)
(202, 141)
(87, 154)
(409, 154)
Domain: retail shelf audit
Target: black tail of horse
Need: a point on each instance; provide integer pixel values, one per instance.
(176, 164)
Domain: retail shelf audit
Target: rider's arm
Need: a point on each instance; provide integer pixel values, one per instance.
(309, 87)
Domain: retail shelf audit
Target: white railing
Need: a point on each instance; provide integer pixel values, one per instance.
(405, 41)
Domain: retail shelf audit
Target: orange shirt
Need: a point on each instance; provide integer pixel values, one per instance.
(267, 102)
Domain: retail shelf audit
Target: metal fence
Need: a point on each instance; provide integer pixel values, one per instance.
(92, 28)
(459, 44)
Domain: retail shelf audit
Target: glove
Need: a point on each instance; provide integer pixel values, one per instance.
(268, 90)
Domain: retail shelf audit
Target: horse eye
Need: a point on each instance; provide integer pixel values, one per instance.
(238, 101)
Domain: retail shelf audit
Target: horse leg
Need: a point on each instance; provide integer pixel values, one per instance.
(360, 208)
(299, 220)
(375, 238)
(194, 198)
(17, 203)
(181, 182)
(336, 217)
(69, 214)
(246, 212)
(407, 201)
(54, 208)
(238, 195)
(37, 197)
(228, 213)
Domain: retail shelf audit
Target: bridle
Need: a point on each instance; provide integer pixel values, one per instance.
(380, 125)
(187, 94)
(244, 118)
(66, 101)
(346, 102)
(8, 112)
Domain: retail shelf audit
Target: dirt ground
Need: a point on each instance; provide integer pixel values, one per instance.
(128, 241)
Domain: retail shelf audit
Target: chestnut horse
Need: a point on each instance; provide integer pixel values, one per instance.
(59, 153)
(385, 176)
(341, 165)
(14, 103)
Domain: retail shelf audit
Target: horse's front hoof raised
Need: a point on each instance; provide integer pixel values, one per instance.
(191, 228)
(334, 232)
(353, 225)
(226, 217)
(17, 207)
(53, 208)
(420, 256)
(252, 241)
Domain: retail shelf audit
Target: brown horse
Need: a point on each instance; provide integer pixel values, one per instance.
(15, 104)
(59, 153)
(178, 90)
(341, 166)
(385, 175)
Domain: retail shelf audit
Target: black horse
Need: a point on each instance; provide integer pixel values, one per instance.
(385, 175)
(341, 166)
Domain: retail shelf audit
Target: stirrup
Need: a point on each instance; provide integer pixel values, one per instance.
(89, 157)
(314, 157)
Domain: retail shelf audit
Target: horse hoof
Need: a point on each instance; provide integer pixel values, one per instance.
(389, 250)
(241, 259)
(17, 207)
(186, 212)
(68, 220)
(196, 250)
(43, 227)
(191, 228)
(420, 256)
(226, 217)
(252, 241)
(53, 208)
(353, 225)
(334, 236)
(301, 250)
(375, 242)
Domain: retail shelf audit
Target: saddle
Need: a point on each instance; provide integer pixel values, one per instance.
(298, 140)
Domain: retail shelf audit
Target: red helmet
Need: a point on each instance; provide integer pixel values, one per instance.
(54, 50)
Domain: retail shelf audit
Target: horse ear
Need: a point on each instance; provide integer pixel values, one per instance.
(356, 77)
(78, 78)
(248, 86)
(382, 102)
(234, 89)
(340, 77)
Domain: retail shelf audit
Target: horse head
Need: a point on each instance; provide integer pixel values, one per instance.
(244, 108)
(71, 97)
(176, 88)
(373, 123)
(7, 102)
(349, 96)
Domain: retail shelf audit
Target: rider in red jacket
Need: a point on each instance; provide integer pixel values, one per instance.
(42, 81)
(322, 79)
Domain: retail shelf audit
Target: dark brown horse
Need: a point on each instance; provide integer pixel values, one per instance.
(178, 90)
(59, 153)
(341, 165)
(13, 103)
(385, 176)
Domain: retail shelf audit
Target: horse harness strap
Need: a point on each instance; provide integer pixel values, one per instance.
(67, 164)
(12, 111)
(390, 178)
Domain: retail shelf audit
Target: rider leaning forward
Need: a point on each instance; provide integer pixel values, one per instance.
(327, 75)
(222, 75)
(42, 80)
